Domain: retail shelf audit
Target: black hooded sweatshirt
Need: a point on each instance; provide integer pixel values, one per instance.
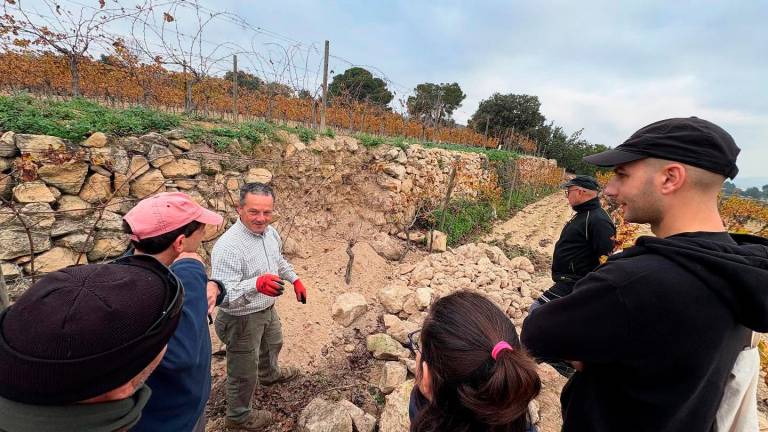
(658, 328)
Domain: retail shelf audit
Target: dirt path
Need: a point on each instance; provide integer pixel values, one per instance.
(313, 342)
(537, 226)
(533, 231)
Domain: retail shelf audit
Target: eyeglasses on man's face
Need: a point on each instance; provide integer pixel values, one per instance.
(568, 191)
(413, 341)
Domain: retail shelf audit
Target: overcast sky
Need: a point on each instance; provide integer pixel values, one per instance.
(605, 66)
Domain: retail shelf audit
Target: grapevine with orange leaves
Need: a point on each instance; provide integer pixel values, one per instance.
(122, 78)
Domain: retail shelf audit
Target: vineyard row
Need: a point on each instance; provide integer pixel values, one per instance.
(152, 85)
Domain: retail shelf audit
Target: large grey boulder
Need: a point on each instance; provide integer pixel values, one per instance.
(322, 415)
(361, 420)
(34, 191)
(38, 144)
(395, 415)
(160, 155)
(398, 328)
(393, 296)
(348, 307)
(67, 176)
(387, 246)
(393, 374)
(16, 242)
(383, 347)
(8, 145)
(36, 216)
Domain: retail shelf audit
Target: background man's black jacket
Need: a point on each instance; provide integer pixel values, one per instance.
(585, 238)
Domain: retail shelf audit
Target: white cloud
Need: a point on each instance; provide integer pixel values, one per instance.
(610, 109)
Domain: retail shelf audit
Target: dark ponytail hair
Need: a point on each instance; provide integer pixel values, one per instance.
(471, 391)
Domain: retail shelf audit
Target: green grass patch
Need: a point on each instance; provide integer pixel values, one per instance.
(521, 196)
(369, 140)
(77, 119)
(465, 220)
(249, 134)
(306, 135)
(402, 142)
(329, 133)
(220, 143)
(492, 154)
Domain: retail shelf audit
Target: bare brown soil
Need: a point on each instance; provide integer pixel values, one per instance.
(313, 342)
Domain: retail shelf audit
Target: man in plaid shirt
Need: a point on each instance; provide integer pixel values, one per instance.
(247, 259)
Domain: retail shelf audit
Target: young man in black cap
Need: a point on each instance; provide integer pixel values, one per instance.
(656, 330)
(77, 346)
(588, 236)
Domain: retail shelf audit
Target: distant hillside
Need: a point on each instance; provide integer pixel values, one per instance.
(747, 182)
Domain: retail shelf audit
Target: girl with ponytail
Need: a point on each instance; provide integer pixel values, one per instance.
(472, 373)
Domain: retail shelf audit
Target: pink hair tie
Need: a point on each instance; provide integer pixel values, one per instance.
(499, 347)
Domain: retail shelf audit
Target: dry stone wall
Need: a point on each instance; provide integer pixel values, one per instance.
(62, 202)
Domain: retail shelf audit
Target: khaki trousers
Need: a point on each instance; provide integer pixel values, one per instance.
(253, 344)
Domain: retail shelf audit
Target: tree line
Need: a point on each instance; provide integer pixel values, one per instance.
(729, 188)
(507, 117)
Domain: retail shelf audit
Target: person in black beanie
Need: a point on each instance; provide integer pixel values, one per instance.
(655, 332)
(77, 346)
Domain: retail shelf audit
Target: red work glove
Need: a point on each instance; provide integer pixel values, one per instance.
(269, 284)
(301, 292)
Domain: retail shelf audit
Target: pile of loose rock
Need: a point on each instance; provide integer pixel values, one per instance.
(477, 267)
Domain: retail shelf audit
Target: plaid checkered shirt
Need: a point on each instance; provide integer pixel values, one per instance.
(238, 258)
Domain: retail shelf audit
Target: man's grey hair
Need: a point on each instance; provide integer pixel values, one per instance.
(255, 189)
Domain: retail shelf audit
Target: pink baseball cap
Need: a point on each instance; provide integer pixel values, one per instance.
(166, 212)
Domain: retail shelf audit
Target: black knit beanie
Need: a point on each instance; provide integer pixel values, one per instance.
(83, 331)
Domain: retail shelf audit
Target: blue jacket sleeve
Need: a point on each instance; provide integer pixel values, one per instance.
(185, 346)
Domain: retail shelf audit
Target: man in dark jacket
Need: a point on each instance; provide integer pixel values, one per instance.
(589, 235)
(170, 227)
(656, 330)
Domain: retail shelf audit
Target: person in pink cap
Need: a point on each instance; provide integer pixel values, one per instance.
(170, 226)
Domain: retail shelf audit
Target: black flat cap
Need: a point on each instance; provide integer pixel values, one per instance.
(691, 140)
(583, 181)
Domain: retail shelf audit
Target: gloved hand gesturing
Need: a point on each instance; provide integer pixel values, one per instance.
(269, 284)
(301, 292)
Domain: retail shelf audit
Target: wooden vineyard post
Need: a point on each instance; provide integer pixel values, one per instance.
(325, 86)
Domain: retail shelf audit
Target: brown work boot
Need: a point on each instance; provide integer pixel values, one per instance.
(287, 373)
(257, 421)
